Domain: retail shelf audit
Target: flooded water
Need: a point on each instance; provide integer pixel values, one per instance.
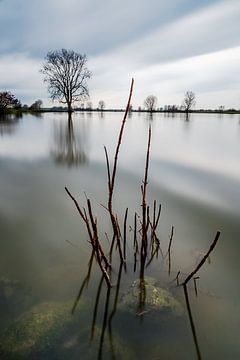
(194, 172)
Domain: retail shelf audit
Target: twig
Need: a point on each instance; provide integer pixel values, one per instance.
(205, 257)
(169, 251)
(144, 203)
(195, 284)
(112, 182)
(125, 233)
(111, 177)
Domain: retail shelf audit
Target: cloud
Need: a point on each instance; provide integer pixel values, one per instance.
(214, 77)
(19, 73)
(168, 47)
(87, 26)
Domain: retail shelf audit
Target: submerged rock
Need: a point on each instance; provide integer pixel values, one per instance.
(81, 346)
(144, 296)
(49, 331)
(35, 332)
(15, 297)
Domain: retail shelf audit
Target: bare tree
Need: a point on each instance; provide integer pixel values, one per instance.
(101, 105)
(66, 74)
(36, 106)
(189, 101)
(7, 99)
(150, 103)
(89, 106)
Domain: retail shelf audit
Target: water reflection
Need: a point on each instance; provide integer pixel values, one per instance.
(149, 116)
(101, 115)
(8, 123)
(69, 147)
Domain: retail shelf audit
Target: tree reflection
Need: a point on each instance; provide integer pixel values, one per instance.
(69, 144)
(8, 123)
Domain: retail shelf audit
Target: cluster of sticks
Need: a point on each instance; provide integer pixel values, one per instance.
(147, 228)
(146, 243)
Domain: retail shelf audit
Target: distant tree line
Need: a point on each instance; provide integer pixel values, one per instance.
(10, 104)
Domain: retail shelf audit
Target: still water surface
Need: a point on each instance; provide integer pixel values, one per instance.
(194, 173)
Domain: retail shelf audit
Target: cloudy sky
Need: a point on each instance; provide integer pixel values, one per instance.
(169, 47)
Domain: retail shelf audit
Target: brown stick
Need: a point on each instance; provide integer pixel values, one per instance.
(111, 177)
(108, 169)
(97, 247)
(195, 284)
(135, 231)
(83, 213)
(170, 240)
(144, 203)
(97, 242)
(76, 204)
(205, 257)
(117, 150)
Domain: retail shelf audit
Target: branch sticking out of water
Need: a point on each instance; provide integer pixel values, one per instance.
(112, 176)
(145, 210)
(205, 257)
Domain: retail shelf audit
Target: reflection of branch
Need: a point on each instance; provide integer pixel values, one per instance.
(105, 316)
(114, 308)
(189, 277)
(191, 322)
(96, 307)
(142, 296)
(84, 283)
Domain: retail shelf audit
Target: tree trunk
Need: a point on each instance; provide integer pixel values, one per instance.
(70, 110)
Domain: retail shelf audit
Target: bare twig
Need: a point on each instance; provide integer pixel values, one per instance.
(205, 257)
(117, 150)
(125, 233)
(112, 176)
(195, 284)
(169, 250)
(144, 203)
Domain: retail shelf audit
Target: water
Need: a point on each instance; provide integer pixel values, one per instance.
(194, 172)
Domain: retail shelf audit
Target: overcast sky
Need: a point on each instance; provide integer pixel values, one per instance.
(169, 47)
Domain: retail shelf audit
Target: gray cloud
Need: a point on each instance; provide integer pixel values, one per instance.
(91, 26)
(168, 46)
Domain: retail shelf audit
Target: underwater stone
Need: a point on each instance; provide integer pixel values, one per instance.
(15, 297)
(35, 332)
(146, 297)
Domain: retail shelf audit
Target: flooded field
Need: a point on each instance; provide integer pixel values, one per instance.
(194, 172)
